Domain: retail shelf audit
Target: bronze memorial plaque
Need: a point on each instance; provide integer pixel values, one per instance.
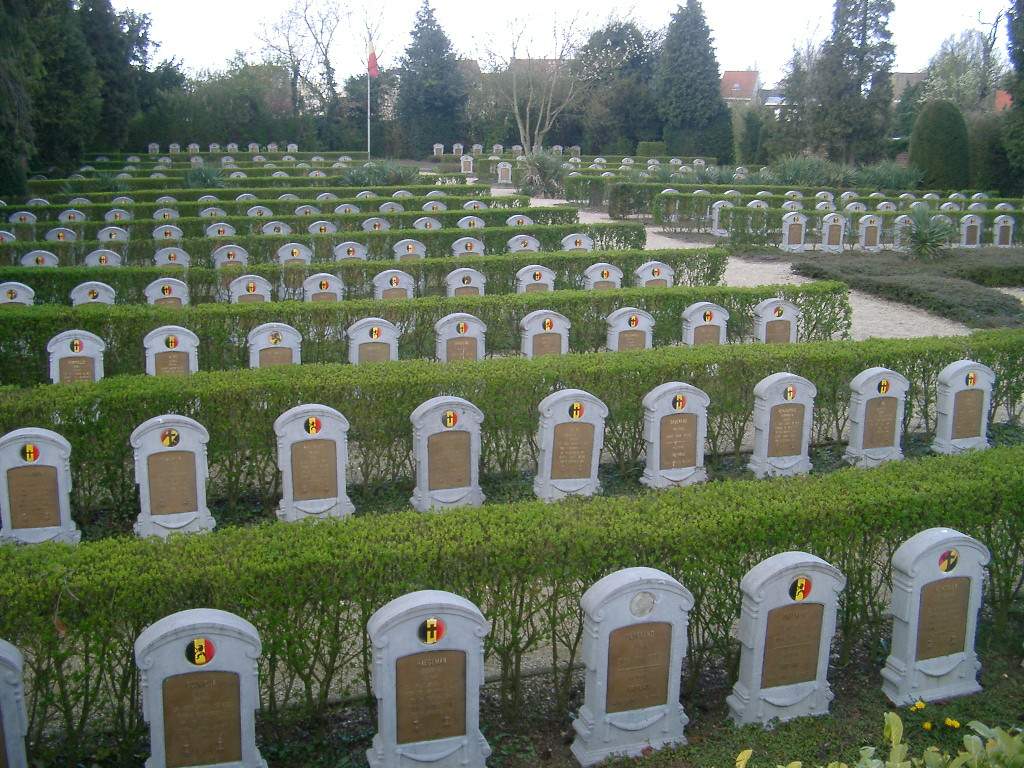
(171, 363)
(942, 621)
(658, 282)
(394, 293)
(971, 235)
(880, 422)
(1004, 235)
(795, 234)
(430, 693)
(448, 460)
(571, 451)
(202, 719)
(168, 301)
(776, 332)
(72, 369)
(467, 290)
(871, 236)
(638, 659)
(791, 644)
(547, 344)
(967, 413)
(374, 352)
(461, 349)
(314, 470)
(537, 288)
(324, 296)
(786, 430)
(678, 441)
(834, 231)
(707, 334)
(250, 298)
(632, 340)
(604, 285)
(271, 356)
(33, 495)
(172, 482)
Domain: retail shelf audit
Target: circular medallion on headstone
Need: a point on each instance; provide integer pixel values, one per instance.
(30, 452)
(76, 345)
(200, 651)
(576, 410)
(971, 379)
(172, 256)
(220, 230)
(605, 274)
(39, 259)
(579, 243)
(250, 287)
(431, 631)
(538, 276)
(12, 294)
(323, 229)
(166, 289)
(789, 393)
(778, 311)
(708, 315)
(295, 253)
(634, 321)
(394, 281)
(93, 294)
(350, 251)
(520, 222)
(949, 560)
(170, 438)
(800, 589)
(461, 327)
(375, 332)
(469, 246)
(679, 402)
(313, 425)
(324, 285)
(656, 272)
(883, 386)
(171, 341)
(547, 324)
(275, 337)
(641, 604)
(103, 258)
(167, 235)
(449, 419)
(231, 256)
(467, 279)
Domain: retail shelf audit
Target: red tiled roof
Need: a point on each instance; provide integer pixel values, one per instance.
(1003, 100)
(739, 85)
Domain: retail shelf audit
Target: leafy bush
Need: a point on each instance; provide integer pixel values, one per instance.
(810, 171)
(103, 181)
(651, 149)
(541, 175)
(927, 236)
(204, 177)
(378, 173)
(889, 175)
(938, 145)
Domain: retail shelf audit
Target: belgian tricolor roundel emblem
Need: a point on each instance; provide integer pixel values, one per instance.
(60, 235)
(394, 281)
(375, 332)
(547, 324)
(431, 631)
(170, 438)
(469, 246)
(350, 251)
(948, 560)
(323, 230)
(277, 230)
(461, 327)
(39, 259)
(524, 243)
(971, 379)
(76, 345)
(578, 243)
(103, 258)
(449, 419)
(467, 279)
(324, 285)
(172, 256)
(376, 225)
(605, 274)
(519, 222)
(200, 651)
(166, 289)
(313, 425)
(167, 236)
(409, 247)
(778, 312)
(656, 272)
(12, 294)
(634, 321)
(171, 341)
(538, 276)
(93, 294)
(231, 256)
(800, 589)
(275, 337)
(30, 452)
(789, 393)
(220, 231)
(23, 218)
(708, 315)
(428, 225)
(250, 287)
(679, 402)
(167, 215)
(295, 253)
(883, 386)
(576, 410)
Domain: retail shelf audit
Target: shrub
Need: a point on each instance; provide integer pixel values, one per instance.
(541, 175)
(990, 166)
(888, 175)
(651, 149)
(927, 236)
(938, 145)
(810, 171)
(204, 177)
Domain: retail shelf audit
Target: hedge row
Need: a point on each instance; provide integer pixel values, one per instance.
(239, 408)
(692, 267)
(309, 589)
(122, 157)
(222, 328)
(263, 248)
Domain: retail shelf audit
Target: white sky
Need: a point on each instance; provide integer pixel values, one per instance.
(748, 34)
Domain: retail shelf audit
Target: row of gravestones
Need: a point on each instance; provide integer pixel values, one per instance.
(77, 355)
(312, 450)
(200, 687)
(458, 150)
(193, 149)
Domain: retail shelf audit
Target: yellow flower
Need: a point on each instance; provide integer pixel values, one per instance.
(950, 722)
(919, 704)
(927, 725)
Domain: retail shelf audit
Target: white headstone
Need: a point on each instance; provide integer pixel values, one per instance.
(783, 412)
(577, 242)
(13, 713)
(39, 258)
(349, 250)
(249, 289)
(1002, 228)
(544, 332)
(459, 336)
(393, 284)
(103, 257)
(91, 292)
(675, 428)
(446, 446)
(16, 293)
(172, 257)
(468, 246)
(876, 417)
(776, 321)
(464, 282)
(869, 233)
(535, 278)
(312, 456)
(372, 340)
(322, 287)
(438, 150)
(35, 491)
(229, 256)
(963, 402)
(408, 249)
(833, 232)
(167, 292)
(75, 356)
(654, 274)
(794, 232)
(629, 328)
(602, 276)
(171, 351)
(504, 173)
(522, 244)
(705, 323)
(570, 437)
(273, 344)
(971, 229)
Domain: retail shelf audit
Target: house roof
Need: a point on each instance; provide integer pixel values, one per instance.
(739, 85)
(1003, 100)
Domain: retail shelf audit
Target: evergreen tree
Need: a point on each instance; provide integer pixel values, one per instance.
(112, 52)
(432, 93)
(1013, 131)
(938, 146)
(852, 82)
(19, 69)
(750, 140)
(687, 87)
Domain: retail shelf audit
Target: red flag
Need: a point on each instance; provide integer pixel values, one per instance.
(371, 62)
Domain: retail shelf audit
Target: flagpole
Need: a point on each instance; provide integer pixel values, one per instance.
(368, 80)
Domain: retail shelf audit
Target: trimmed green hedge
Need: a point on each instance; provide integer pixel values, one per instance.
(692, 267)
(309, 589)
(222, 328)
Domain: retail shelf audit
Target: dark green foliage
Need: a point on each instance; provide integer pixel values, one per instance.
(204, 177)
(927, 237)
(432, 96)
(19, 68)
(989, 164)
(1014, 129)
(905, 113)
(112, 51)
(651, 148)
(938, 146)
(541, 175)
(750, 141)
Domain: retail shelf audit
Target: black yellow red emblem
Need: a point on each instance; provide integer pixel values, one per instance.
(949, 560)
(409, 247)
(40, 260)
(200, 651)
(789, 393)
(275, 338)
(103, 258)
(605, 274)
(166, 289)
(375, 332)
(76, 345)
(778, 312)
(634, 321)
(170, 438)
(167, 236)
(971, 379)
(800, 589)
(461, 327)
(469, 246)
(60, 235)
(350, 251)
(172, 256)
(576, 410)
(394, 281)
(12, 294)
(93, 294)
(220, 231)
(519, 222)
(883, 386)
(30, 452)
(323, 230)
(656, 272)
(708, 315)
(231, 256)
(449, 419)
(579, 243)
(547, 324)
(325, 284)
(250, 287)
(467, 279)
(313, 425)
(432, 631)
(679, 402)
(171, 342)
(538, 276)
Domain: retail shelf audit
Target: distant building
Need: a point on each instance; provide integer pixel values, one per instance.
(903, 80)
(1003, 101)
(740, 87)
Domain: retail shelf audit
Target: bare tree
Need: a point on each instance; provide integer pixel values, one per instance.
(322, 19)
(285, 42)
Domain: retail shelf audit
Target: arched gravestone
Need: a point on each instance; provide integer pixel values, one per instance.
(372, 340)
(168, 232)
(705, 323)
(937, 577)
(113, 234)
(877, 402)
(869, 232)
(171, 472)
(91, 292)
(544, 332)
(428, 641)
(776, 321)
(167, 292)
(55, 235)
(35, 490)
(963, 402)
(16, 293)
(602, 277)
(259, 211)
(783, 412)
(654, 274)
(675, 428)
(438, 150)
(971, 230)
(519, 220)
(504, 172)
(39, 259)
(634, 640)
(172, 257)
(717, 229)
(75, 356)
(312, 456)
(273, 344)
(577, 241)
(446, 447)
(434, 206)
(349, 250)
(171, 351)
(322, 228)
(629, 328)
(522, 244)
(787, 621)
(322, 287)
(391, 207)
(249, 289)
(426, 222)
(569, 437)
(13, 713)
(165, 214)
(467, 246)
(459, 336)
(306, 210)
(376, 224)
(794, 232)
(393, 284)
(1002, 227)
(535, 278)
(408, 249)
(470, 222)
(464, 282)
(198, 674)
(103, 257)
(23, 218)
(276, 228)
(221, 229)
(833, 232)
(293, 258)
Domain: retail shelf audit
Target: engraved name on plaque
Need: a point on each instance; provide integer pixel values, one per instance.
(704, 323)
(783, 410)
(171, 351)
(535, 278)
(459, 336)
(544, 332)
(393, 284)
(602, 277)
(446, 447)
(963, 404)
(465, 282)
(654, 274)
(273, 344)
(35, 488)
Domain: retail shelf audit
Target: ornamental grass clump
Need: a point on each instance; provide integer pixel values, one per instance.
(926, 235)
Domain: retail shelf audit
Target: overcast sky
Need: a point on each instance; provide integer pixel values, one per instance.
(748, 34)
